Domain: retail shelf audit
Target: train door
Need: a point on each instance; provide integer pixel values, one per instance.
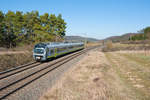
(47, 53)
(55, 52)
(52, 52)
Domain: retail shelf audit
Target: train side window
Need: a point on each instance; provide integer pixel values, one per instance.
(59, 49)
(64, 48)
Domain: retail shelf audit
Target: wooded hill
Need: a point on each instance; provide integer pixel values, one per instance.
(18, 28)
(124, 37)
(143, 34)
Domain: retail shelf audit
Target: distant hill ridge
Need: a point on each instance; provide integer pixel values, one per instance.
(79, 39)
(123, 37)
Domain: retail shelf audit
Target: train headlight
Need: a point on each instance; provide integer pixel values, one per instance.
(38, 58)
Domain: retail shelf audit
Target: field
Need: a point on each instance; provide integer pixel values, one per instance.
(133, 69)
(119, 46)
(101, 75)
(115, 75)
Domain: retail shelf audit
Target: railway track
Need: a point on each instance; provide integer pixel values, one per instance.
(13, 80)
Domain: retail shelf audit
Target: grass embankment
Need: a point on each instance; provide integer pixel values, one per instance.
(15, 57)
(134, 71)
(8, 61)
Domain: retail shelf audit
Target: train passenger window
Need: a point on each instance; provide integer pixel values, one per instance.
(65, 48)
(61, 49)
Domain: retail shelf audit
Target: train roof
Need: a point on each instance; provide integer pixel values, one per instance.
(56, 44)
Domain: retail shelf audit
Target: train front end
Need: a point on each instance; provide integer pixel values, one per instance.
(39, 52)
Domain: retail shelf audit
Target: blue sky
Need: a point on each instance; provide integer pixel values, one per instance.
(90, 18)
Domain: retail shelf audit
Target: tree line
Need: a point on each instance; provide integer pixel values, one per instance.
(143, 34)
(18, 28)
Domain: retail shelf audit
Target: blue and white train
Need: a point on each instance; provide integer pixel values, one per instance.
(44, 51)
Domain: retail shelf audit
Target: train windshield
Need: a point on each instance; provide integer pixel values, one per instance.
(39, 51)
(40, 45)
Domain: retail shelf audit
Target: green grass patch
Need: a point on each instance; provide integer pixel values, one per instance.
(132, 75)
(141, 58)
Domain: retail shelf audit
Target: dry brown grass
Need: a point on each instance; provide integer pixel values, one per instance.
(109, 47)
(93, 78)
(90, 44)
(8, 61)
(15, 56)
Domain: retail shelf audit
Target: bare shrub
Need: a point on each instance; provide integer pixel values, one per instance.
(108, 46)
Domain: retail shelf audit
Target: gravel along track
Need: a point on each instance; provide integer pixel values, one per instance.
(14, 82)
